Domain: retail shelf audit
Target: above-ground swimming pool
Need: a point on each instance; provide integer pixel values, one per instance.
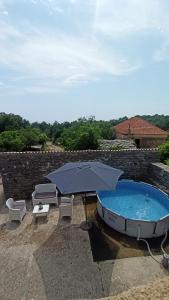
(135, 208)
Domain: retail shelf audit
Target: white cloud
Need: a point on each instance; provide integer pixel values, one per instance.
(58, 9)
(34, 2)
(51, 5)
(5, 12)
(122, 19)
(118, 18)
(57, 59)
(47, 59)
(7, 31)
(162, 54)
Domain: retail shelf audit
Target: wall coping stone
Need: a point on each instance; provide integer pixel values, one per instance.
(161, 166)
(80, 151)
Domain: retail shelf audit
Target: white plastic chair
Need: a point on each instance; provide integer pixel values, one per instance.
(17, 209)
(66, 207)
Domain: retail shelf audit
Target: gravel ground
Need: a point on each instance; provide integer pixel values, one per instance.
(159, 290)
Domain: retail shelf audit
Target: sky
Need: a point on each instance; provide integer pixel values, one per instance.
(65, 59)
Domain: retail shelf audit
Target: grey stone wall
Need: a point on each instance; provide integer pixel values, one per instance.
(159, 175)
(22, 171)
(123, 144)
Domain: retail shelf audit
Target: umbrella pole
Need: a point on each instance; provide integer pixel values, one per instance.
(85, 204)
(85, 225)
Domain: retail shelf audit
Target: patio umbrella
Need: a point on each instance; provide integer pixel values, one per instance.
(83, 177)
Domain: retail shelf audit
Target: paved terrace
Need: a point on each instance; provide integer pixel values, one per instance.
(47, 260)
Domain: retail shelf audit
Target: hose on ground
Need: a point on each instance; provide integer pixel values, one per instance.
(162, 243)
(148, 247)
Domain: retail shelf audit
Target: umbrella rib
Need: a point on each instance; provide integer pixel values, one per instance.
(101, 178)
(61, 171)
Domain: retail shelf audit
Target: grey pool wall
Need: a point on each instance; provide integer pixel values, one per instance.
(132, 227)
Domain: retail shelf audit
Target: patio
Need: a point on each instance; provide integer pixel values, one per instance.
(52, 259)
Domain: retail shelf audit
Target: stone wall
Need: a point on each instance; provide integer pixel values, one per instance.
(159, 175)
(121, 144)
(22, 171)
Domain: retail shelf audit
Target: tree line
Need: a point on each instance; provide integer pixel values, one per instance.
(18, 134)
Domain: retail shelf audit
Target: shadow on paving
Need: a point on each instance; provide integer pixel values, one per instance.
(101, 248)
(108, 244)
(66, 265)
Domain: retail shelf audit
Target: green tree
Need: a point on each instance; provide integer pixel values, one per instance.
(11, 141)
(19, 140)
(107, 131)
(57, 129)
(12, 122)
(80, 136)
(114, 122)
(33, 136)
(86, 140)
(43, 127)
(30, 137)
(161, 121)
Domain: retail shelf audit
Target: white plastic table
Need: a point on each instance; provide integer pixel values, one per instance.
(41, 212)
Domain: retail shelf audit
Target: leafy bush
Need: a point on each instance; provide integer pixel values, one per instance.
(164, 151)
(80, 137)
(12, 122)
(86, 140)
(107, 132)
(11, 141)
(19, 140)
(33, 136)
(167, 162)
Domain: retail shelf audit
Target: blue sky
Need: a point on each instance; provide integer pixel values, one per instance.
(64, 59)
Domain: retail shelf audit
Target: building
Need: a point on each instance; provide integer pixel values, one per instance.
(145, 134)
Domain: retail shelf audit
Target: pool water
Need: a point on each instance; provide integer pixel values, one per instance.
(136, 201)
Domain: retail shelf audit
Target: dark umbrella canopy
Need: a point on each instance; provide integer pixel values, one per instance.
(85, 177)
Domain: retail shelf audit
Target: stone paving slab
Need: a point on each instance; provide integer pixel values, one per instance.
(129, 272)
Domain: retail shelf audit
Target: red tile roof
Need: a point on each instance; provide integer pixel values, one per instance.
(138, 126)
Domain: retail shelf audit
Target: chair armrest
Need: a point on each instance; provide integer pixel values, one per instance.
(15, 209)
(65, 200)
(65, 205)
(20, 202)
(33, 195)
